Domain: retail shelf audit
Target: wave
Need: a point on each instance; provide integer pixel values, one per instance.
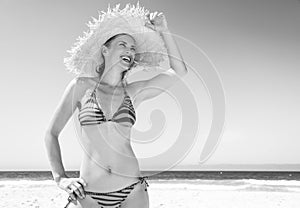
(234, 185)
(197, 184)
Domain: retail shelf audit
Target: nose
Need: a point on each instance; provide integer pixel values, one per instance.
(128, 52)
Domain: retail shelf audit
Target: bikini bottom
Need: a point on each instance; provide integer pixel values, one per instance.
(113, 199)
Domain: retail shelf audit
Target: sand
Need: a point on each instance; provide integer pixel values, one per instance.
(172, 194)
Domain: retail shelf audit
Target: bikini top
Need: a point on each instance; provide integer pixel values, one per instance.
(90, 113)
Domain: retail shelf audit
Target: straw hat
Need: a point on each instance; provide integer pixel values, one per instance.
(85, 55)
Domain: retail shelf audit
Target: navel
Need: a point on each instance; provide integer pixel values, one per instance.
(109, 169)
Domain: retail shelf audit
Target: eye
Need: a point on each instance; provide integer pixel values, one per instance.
(132, 49)
(122, 44)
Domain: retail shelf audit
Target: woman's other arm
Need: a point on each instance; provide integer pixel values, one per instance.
(62, 114)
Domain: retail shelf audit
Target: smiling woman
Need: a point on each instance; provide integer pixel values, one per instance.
(110, 175)
(122, 50)
(115, 51)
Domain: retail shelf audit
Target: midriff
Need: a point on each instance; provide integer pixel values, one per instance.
(109, 162)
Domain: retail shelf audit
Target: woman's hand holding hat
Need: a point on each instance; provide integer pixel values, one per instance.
(157, 22)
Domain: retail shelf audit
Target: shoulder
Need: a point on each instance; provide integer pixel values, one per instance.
(163, 79)
(79, 85)
(159, 83)
(84, 82)
(134, 87)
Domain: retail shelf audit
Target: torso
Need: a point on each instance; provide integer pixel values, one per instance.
(109, 162)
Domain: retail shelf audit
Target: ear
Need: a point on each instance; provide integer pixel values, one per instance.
(104, 50)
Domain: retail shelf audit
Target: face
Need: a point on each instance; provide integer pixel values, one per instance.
(121, 51)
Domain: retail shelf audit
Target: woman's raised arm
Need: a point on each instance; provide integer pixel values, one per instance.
(147, 89)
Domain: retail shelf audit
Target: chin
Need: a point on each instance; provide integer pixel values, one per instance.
(124, 67)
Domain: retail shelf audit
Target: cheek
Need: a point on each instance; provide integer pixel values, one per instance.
(114, 53)
(118, 51)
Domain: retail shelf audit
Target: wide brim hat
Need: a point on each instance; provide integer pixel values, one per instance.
(85, 55)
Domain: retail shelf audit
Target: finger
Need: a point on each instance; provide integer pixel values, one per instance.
(79, 189)
(151, 16)
(75, 190)
(149, 25)
(69, 190)
(71, 200)
(154, 15)
(160, 14)
(82, 182)
(162, 17)
(72, 195)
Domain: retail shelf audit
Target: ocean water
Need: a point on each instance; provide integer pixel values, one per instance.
(168, 175)
(200, 180)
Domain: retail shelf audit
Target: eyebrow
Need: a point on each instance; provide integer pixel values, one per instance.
(126, 43)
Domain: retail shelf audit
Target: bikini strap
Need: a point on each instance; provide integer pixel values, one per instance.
(97, 85)
(143, 181)
(124, 87)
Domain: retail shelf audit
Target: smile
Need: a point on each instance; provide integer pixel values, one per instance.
(126, 58)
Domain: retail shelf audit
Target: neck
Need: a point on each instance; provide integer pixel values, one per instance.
(113, 76)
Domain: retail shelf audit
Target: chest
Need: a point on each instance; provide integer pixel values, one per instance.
(110, 103)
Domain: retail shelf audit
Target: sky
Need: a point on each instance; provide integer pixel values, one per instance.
(248, 49)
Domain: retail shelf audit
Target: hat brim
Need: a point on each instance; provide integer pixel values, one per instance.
(85, 56)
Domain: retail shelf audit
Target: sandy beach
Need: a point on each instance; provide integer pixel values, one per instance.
(194, 194)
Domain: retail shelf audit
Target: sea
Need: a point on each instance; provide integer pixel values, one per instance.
(169, 175)
(204, 180)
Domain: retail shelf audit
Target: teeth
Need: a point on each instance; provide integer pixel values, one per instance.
(126, 58)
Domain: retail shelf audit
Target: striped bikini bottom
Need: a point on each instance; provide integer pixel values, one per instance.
(115, 198)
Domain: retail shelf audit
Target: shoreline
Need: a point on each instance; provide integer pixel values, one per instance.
(167, 193)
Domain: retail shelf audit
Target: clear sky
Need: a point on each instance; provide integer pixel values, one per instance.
(253, 46)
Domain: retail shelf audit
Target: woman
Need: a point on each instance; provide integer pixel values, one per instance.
(109, 173)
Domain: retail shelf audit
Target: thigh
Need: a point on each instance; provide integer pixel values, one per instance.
(138, 198)
(87, 202)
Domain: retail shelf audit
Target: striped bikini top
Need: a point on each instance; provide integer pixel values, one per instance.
(90, 113)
